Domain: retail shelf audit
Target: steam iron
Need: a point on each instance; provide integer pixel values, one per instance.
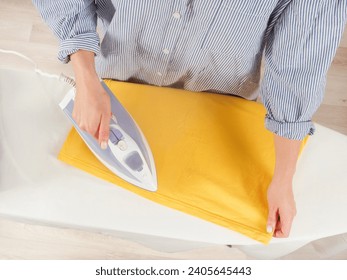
(128, 154)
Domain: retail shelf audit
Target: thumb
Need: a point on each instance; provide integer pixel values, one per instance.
(271, 220)
(104, 131)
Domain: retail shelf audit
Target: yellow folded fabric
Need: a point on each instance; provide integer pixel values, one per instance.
(213, 156)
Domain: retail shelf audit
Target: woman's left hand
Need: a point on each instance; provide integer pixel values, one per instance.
(280, 196)
(282, 209)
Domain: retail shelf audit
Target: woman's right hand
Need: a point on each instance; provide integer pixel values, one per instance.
(92, 109)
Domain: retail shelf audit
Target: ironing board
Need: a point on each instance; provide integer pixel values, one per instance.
(36, 187)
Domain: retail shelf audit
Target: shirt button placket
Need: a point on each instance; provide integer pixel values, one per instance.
(166, 51)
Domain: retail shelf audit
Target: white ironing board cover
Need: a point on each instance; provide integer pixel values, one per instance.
(34, 185)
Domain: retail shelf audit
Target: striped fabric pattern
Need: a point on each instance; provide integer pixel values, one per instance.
(212, 45)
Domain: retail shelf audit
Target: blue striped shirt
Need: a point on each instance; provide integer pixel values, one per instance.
(212, 45)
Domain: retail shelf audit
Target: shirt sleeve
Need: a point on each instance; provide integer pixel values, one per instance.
(299, 51)
(73, 22)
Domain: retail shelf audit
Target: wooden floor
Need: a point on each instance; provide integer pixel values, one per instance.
(22, 30)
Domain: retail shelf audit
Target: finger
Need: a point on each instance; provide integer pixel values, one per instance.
(82, 126)
(278, 224)
(104, 130)
(74, 116)
(90, 128)
(286, 219)
(96, 134)
(272, 219)
(278, 229)
(88, 125)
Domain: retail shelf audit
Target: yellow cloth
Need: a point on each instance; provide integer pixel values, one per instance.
(213, 155)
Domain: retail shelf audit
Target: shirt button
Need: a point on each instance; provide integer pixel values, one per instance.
(176, 15)
(166, 51)
(159, 74)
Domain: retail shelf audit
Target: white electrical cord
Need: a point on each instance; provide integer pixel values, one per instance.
(62, 77)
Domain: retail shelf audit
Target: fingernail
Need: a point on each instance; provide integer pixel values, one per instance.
(269, 229)
(104, 145)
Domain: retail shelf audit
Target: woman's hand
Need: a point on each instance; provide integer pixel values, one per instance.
(280, 196)
(92, 109)
(282, 209)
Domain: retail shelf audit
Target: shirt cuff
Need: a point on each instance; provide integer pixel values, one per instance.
(290, 130)
(86, 41)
